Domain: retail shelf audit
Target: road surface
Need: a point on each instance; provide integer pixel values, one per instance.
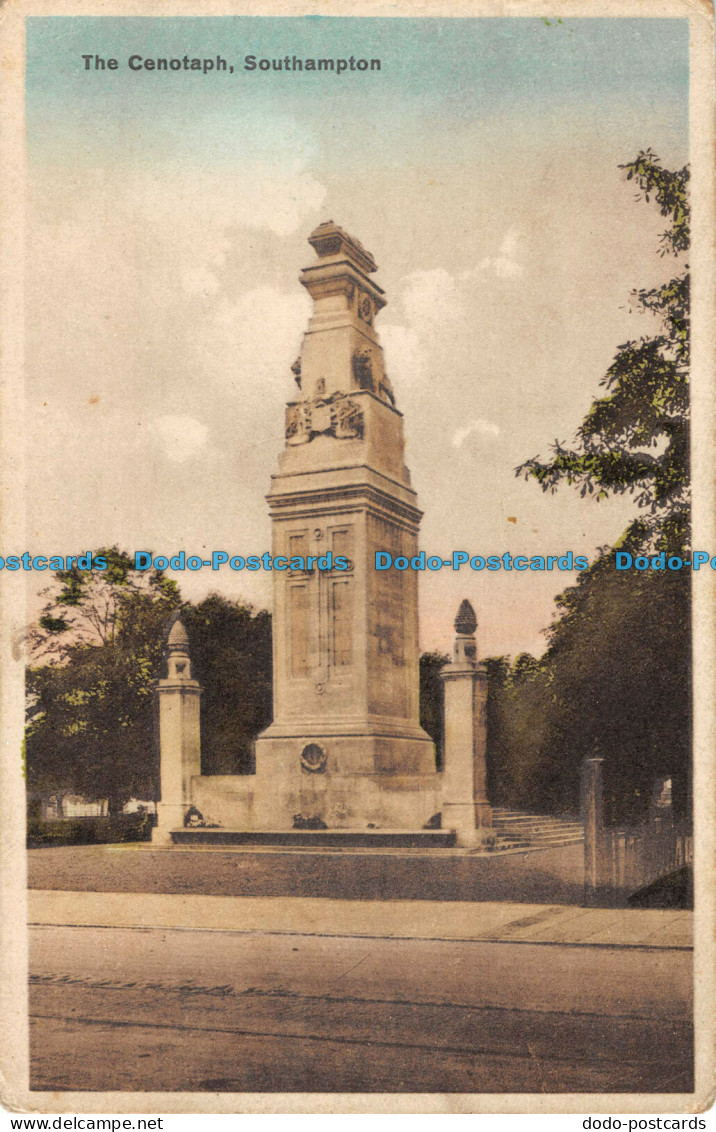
(129, 1008)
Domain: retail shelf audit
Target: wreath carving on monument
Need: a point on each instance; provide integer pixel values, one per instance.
(314, 759)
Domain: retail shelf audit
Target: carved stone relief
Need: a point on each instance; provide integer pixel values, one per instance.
(385, 389)
(346, 419)
(365, 377)
(314, 759)
(296, 371)
(363, 370)
(334, 416)
(365, 309)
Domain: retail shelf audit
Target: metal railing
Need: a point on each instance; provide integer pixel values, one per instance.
(618, 862)
(635, 857)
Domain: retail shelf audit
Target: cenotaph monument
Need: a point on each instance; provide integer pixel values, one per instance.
(345, 751)
(345, 745)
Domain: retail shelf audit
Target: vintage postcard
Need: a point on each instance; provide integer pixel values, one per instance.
(357, 557)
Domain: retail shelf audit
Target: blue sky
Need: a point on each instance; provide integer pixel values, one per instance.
(477, 70)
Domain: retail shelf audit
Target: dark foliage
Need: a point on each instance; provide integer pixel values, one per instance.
(615, 680)
(90, 831)
(431, 699)
(90, 724)
(91, 716)
(231, 657)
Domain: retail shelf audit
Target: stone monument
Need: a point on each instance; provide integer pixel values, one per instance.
(345, 747)
(345, 751)
(465, 805)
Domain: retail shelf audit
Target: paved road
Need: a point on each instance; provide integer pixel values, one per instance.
(171, 1009)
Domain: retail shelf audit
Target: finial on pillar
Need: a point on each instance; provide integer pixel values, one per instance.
(177, 638)
(465, 647)
(466, 621)
(177, 652)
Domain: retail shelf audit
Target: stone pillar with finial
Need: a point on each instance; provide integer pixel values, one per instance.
(178, 700)
(466, 807)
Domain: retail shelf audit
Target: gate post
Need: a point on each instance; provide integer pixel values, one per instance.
(465, 806)
(592, 794)
(178, 697)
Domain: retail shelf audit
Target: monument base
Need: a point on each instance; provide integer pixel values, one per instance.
(338, 782)
(346, 781)
(170, 816)
(471, 821)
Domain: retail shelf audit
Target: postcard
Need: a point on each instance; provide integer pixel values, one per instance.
(358, 557)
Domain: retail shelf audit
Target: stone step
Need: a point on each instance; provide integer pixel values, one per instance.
(534, 818)
(521, 830)
(537, 817)
(571, 840)
(502, 844)
(541, 834)
(350, 838)
(508, 836)
(528, 820)
(535, 834)
(536, 831)
(524, 829)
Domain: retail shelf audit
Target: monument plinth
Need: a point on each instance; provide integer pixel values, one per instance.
(345, 748)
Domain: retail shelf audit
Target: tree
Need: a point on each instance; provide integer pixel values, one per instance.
(90, 714)
(230, 646)
(618, 668)
(100, 642)
(92, 607)
(615, 679)
(431, 699)
(518, 754)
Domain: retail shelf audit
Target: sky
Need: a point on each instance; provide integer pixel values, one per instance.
(167, 221)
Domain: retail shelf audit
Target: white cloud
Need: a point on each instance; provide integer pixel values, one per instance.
(481, 427)
(505, 268)
(438, 325)
(433, 307)
(505, 264)
(430, 299)
(404, 355)
(272, 196)
(199, 280)
(181, 437)
(250, 343)
(508, 247)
